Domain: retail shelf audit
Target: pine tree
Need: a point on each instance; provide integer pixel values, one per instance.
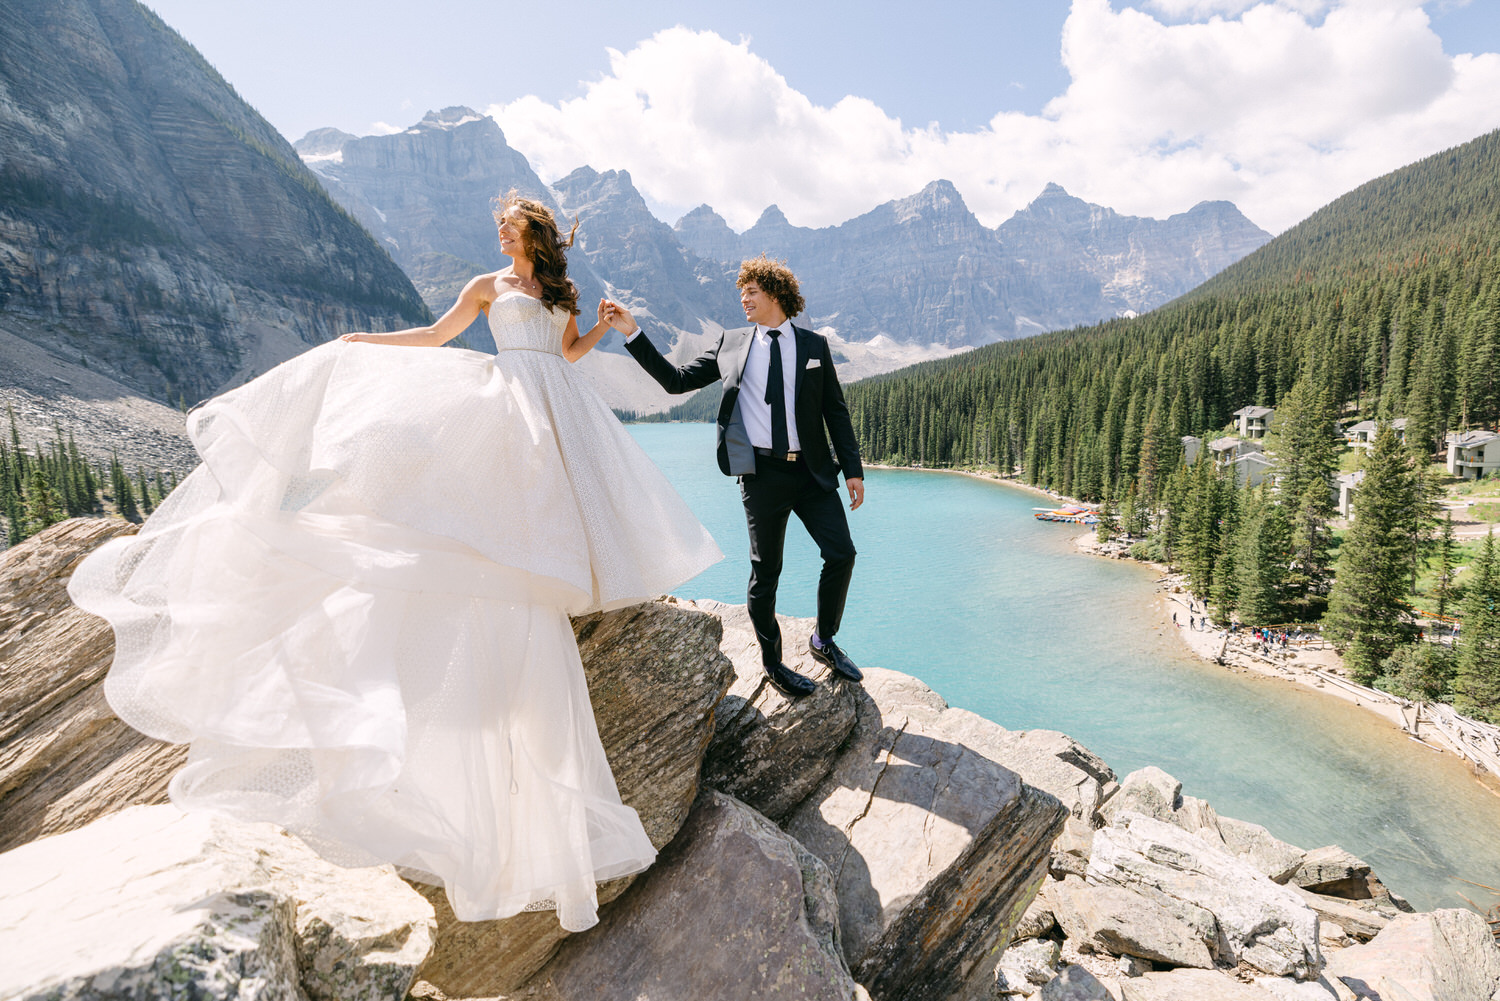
(1477, 685)
(1443, 587)
(1225, 590)
(1109, 525)
(43, 506)
(1263, 555)
(1306, 459)
(1367, 616)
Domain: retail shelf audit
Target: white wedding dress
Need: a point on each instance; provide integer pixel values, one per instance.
(356, 610)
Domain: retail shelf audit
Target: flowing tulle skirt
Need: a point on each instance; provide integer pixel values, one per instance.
(356, 610)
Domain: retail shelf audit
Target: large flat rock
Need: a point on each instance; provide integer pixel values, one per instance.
(1111, 919)
(1191, 985)
(733, 907)
(152, 902)
(768, 750)
(935, 848)
(655, 674)
(1445, 955)
(1253, 920)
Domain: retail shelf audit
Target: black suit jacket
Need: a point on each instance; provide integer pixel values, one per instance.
(818, 398)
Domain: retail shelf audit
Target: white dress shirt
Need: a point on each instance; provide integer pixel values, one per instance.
(753, 406)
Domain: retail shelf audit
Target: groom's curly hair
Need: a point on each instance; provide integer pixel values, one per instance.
(775, 280)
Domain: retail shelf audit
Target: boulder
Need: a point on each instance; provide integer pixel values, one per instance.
(1038, 918)
(1357, 922)
(1254, 844)
(151, 902)
(768, 750)
(1025, 966)
(936, 850)
(1190, 985)
(1255, 920)
(65, 758)
(655, 674)
(733, 906)
(1079, 778)
(1148, 791)
(1444, 955)
(1075, 983)
(1332, 871)
(1111, 919)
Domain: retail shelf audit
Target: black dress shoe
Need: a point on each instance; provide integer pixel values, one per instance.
(838, 661)
(789, 682)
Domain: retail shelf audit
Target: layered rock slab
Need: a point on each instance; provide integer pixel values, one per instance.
(655, 674)
(1444, 955)
(65, 758)
(768, 750)
(152, 902)
(935, 848)
(733, 907)
(1248, 918)
(1114, 920)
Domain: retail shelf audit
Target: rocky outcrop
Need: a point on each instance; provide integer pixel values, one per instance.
(768, 750)
(153, 228)
(1241, 915)
(935, 848)
(732, 904)
(65, 758)
(152, 897)
(655, 674)
(1111, 919)
(1446, 955)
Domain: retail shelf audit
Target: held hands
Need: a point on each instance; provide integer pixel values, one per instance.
(617, 316)
(856, 487)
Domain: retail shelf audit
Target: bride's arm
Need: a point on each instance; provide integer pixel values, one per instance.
(474, 297)
(574, 345)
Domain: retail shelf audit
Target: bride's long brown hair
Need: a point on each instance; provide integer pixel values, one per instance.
(546, 248)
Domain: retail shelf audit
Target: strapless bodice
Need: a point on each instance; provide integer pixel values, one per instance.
(519, 322)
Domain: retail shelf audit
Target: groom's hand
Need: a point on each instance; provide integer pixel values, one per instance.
(856, 487)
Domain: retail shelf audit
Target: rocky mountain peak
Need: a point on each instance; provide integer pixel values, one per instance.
(450, 118)
(322, 143)
(940, 200)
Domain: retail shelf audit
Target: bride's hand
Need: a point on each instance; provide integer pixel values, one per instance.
(352, 337)
(617, 316)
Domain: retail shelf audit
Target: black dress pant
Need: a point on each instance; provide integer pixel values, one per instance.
(777, 490)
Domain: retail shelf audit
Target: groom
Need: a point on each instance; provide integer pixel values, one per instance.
(780, 391)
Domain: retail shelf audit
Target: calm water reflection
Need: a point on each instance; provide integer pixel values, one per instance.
(958, 585)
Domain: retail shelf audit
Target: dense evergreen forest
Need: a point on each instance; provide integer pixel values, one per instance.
(1388, 300)
(1384, 304)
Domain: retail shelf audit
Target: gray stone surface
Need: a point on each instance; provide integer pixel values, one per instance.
(1148, 791)
(1444, 955)
(1256, 921)
(1112, 919)
(1283, 989)
(1039, 917)
(1358, 922)
(1190, 985)
(1333, 871)
(733, 905)
(1074, 983)
(935, 849)
(1031, 963)
(768, 750)
(655, 674)
(1081, 781)
(151, 902)
(1254, 844)
(65, 758)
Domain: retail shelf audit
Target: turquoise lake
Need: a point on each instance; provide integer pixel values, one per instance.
(958, 585)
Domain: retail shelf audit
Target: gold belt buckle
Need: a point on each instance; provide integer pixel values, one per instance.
(793, 456)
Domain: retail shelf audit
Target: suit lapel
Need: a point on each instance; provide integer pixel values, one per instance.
(804, 352)
(739, 357)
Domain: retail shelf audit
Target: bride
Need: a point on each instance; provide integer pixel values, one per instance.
(356, 608)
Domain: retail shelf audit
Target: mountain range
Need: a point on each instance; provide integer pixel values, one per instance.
(914, 278)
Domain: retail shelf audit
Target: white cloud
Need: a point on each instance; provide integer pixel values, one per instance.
(385, 129)
(1278, 106)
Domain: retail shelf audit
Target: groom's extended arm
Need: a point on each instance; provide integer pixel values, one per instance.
(701, 371)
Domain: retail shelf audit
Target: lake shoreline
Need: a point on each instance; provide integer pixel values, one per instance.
(1317, 669)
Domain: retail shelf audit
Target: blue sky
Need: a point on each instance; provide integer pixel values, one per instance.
(830, 108)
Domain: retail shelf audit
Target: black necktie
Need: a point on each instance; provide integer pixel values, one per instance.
(776, 396)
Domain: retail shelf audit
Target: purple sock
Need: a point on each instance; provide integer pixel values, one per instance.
(817, 641)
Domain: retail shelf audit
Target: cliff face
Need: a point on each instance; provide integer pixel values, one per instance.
(428, 194)
(152, 226)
